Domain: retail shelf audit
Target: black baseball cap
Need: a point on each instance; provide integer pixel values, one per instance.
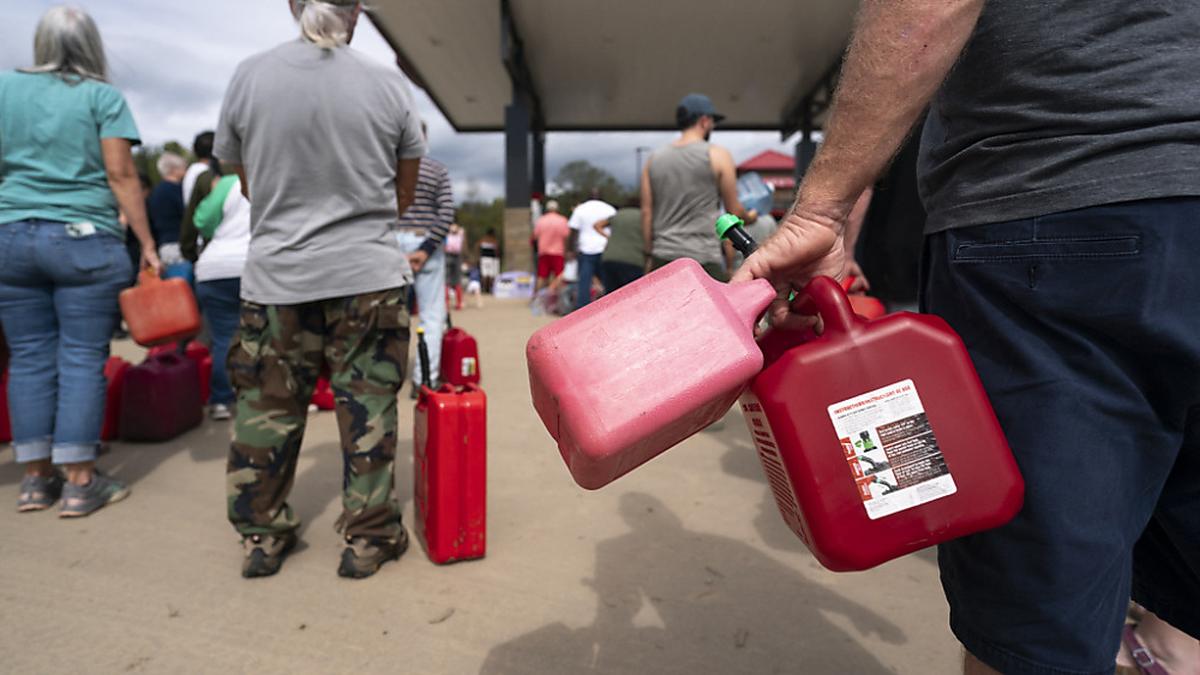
(693, 106)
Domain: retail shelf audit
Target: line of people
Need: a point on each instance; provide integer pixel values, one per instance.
(299, 257)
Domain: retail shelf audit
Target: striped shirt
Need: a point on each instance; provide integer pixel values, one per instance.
(432, 210)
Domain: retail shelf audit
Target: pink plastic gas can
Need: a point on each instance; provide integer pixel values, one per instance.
(636, 372)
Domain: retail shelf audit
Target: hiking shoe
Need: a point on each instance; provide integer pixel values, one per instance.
(39, 493)
(220, 412)
(82, 500)
(265, 553)
(363, 556)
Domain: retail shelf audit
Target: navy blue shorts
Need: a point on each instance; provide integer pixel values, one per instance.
(1085, 329)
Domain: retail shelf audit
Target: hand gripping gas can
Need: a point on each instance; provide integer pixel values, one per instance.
(876, 436)
(460, 357)
(450, 467)
(641, 369)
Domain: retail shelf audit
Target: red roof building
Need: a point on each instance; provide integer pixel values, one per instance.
(779, 171)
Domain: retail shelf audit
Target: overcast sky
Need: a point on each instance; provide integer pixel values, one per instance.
(173, 59)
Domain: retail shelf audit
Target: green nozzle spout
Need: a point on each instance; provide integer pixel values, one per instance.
(729, 227)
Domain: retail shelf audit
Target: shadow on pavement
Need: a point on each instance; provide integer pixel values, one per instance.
(671, 600)
(131, 462)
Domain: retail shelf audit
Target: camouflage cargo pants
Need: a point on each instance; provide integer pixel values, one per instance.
(274, 363)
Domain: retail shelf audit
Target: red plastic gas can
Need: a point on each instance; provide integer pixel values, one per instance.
(115, 371)
(450, 472)
(161, 399)
(158, 311)
(877, 437)
(323, 396)
(198, 353)
(641, 369)
(460, 358)
(5, 422)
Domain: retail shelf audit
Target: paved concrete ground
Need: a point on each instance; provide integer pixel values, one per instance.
(681, 567)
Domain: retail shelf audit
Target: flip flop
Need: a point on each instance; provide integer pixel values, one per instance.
(1146, 664)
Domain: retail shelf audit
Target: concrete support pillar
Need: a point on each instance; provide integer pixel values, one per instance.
(517, 184)
(518, 254)
(539, 162)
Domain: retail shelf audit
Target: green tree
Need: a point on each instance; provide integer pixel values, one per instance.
(145, 158)
(578, 180)
(477, 217)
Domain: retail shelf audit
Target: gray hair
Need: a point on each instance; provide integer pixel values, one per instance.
(325, 23)
(68, 44)
(169, 163)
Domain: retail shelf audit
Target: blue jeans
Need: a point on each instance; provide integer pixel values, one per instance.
(1085, 330)
(220, 300)
(58, 306)
(430, 287)
(589, 266)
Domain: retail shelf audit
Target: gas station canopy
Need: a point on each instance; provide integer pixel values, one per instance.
(584, 65)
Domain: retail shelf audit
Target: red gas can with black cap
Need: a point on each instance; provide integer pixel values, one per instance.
(876, 436)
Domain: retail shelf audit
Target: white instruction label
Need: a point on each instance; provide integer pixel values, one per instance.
(890, 449)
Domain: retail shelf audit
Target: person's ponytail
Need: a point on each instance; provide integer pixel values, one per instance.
(324, 24)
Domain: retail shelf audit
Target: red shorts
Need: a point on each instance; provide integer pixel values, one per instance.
(550, 266)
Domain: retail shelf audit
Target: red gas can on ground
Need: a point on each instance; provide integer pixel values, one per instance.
(450, 472)
(198, 353)
(5, 422)
(323, 396)
(158, 311)
(460, 358)
(161, 399)
(115, 371)
(641, 369)
(877, 437)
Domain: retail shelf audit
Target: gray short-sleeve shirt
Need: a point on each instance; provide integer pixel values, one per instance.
(1057, 105)
(319, 133)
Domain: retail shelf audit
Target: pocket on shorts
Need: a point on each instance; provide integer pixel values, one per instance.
(1050, 249)
(244, 361)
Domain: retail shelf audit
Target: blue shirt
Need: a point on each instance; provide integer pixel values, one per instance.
(51, 166)
(165, 208)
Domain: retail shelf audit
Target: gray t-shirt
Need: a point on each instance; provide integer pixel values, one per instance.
(1059, 104)
(685, 203)
(320, 133)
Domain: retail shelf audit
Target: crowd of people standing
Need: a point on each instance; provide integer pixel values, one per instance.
(279, 302)
(1038, 205)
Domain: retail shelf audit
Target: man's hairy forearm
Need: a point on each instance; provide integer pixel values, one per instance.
(900, 54)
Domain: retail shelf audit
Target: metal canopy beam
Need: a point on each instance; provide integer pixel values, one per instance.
(802, 116)
(512, 54)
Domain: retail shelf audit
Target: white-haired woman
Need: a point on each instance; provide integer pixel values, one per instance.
(327, 144)
(65, 168)
(165, 208)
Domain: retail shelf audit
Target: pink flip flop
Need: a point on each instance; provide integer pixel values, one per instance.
(1141, 656)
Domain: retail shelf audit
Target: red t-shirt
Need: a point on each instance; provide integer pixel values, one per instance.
(551, 231)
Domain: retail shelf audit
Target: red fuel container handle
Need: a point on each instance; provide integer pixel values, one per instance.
(825, 297)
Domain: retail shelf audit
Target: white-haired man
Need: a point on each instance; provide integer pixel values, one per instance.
(166, 207)
(327, 144)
